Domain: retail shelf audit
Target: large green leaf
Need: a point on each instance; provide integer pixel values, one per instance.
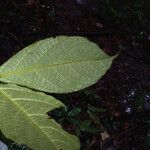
(23, 119)
(57, 65)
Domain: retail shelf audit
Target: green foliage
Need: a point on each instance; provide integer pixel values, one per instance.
(90, 123)
(74, 112)
(30, 120)
(59, 65)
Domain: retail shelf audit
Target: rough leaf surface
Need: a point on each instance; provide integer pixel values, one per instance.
(57, 65)
(23, 119)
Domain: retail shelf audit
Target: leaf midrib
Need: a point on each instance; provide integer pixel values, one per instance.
(27, 69)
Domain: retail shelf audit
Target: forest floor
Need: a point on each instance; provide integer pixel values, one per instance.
(118, 105)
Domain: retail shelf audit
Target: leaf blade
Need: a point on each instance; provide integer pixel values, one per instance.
(24, 120)
(57, 65)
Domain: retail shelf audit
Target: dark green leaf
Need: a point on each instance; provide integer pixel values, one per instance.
(74, 112)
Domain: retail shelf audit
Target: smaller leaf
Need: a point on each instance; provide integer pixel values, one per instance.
(96, 109)
(74, 112)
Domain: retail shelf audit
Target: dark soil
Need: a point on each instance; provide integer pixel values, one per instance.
(124, 91)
